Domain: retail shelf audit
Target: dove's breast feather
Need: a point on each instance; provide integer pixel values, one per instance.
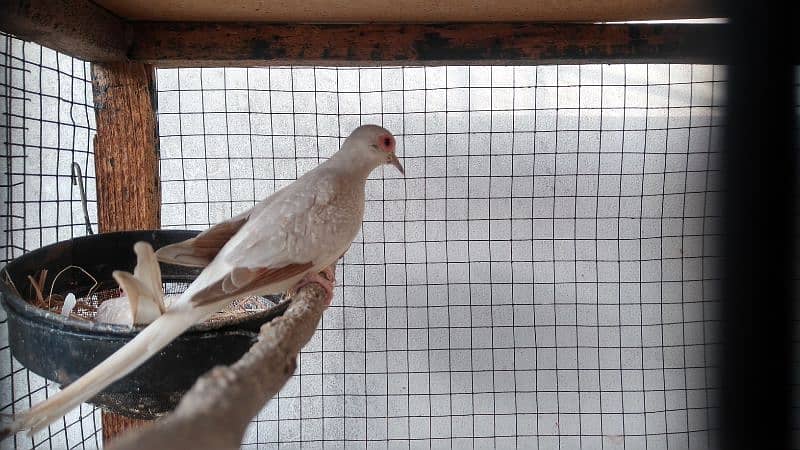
(300, 229)
(312, 220)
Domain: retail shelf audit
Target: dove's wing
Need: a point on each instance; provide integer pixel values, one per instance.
(148, 272)
(200, 250)
(301, 230)
(134, 289)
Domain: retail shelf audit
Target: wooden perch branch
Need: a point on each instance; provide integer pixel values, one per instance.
(214, 414)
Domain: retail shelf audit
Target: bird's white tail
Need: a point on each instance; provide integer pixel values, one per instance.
(133, 354)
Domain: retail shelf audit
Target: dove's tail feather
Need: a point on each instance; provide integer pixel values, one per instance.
(147, 343)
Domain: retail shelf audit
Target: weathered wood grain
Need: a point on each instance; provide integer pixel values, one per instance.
(78, 28)
(126, 166)
(414, 11)
(252, 44)
(126, 157)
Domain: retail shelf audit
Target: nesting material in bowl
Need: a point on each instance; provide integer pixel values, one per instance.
(87, 306)
(61, 348)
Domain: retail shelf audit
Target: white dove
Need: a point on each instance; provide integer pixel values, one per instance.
(281, 243)
(144, 300)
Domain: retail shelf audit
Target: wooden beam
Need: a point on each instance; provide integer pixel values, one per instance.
(413, 11)
(126, 156)
(126, 166)
(78, 28)
(252, 44)
(81, 28)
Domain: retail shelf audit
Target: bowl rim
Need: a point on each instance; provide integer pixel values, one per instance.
(18, 308)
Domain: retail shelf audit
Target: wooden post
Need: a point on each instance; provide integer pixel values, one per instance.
(126, 155)
(126, 165)
(115, 425)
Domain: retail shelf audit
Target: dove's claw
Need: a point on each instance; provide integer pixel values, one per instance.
(329, 274)
(326, 281)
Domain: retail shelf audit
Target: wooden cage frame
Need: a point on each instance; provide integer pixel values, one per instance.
(125, 53)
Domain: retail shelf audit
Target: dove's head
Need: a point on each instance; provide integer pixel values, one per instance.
(375, 145)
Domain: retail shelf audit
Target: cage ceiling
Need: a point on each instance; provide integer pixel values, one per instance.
(203, 33)
(410, 11)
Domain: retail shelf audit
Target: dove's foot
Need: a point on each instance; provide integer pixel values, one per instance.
(330, 274)
(326, 279)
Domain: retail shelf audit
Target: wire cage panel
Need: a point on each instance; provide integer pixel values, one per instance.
(47, 124)
(546, 275)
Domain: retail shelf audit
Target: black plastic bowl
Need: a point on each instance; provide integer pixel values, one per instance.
(62, 349)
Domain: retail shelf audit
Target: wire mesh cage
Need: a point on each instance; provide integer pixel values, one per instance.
(47, 125)
(546, 275)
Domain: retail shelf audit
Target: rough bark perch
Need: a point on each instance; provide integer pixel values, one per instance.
(214, 414)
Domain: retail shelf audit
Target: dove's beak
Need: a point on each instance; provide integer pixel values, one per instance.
(395, 161)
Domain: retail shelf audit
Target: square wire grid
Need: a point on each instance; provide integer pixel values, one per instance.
(545, 276)
(47, 123)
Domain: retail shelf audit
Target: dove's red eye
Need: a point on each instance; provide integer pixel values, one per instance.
(386, 142)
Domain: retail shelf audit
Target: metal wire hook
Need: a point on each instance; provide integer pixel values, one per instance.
(77, 179)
